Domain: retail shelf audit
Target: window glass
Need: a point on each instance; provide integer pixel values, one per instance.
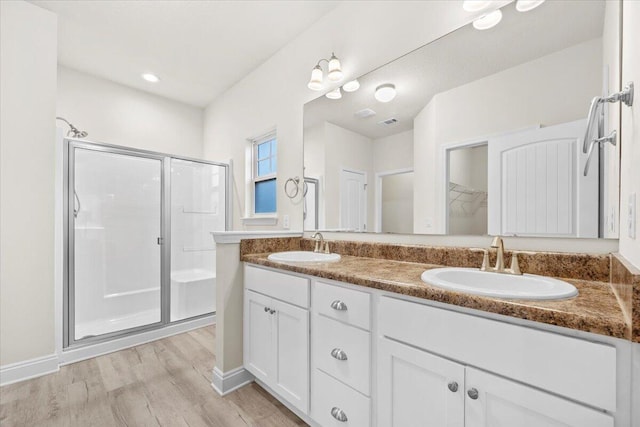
(265, 192)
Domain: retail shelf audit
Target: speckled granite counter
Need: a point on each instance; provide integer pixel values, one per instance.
(596, 309)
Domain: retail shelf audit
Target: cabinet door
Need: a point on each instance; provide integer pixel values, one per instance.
(416, 388)
(292, 354)
(258, 335)
(503, 403)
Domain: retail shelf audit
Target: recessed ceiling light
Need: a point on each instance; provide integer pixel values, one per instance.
(487, 21)
(527, 5)
(351, 86)
(334, 94)
(150, 77)
(385, 92)
(475, 5)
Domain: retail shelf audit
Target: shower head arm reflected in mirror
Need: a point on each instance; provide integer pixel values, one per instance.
(73, 131)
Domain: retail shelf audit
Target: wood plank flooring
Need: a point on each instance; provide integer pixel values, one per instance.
(163, 383)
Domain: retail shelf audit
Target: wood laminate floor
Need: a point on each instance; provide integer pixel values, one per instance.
(162, 383)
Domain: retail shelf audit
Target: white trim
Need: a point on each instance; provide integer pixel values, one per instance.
(260, 220)
(226, 237)
(27, 369)
(81, 353)
(378, 195)
(226, 382)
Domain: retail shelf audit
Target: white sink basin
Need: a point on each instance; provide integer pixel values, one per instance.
(474, 281)
(303, 256)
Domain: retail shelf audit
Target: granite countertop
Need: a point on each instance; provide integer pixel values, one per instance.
(595, 309)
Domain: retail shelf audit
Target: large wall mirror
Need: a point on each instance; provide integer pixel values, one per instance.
(484, 134)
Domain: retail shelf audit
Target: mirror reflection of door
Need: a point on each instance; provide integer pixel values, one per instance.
(467, 190)
(353, 200)
(394, 203)
(311, 208)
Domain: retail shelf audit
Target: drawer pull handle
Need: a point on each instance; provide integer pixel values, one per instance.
(339, 305)
(473, 393)
(336, 353)
(453, 386)
(338, 414)
(266, 309)
(271, 311)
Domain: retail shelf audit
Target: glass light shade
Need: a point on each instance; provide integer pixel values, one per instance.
(316, 79)
(475, 5)
(335, 72)
(351, 86)
(385, 92)
(527, 5)
(334, 94)
(487, 21)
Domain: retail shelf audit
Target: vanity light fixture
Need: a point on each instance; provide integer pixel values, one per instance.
(334, 73)
(487, 21)
(385, 92)
(475, 5)
(150, 77)
(351, 86)
(334, 94)
(527, 5)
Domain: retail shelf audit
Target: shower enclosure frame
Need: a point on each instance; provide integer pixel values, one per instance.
(68, 300)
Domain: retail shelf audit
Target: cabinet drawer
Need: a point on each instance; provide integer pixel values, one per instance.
(329, 393)
(285, 287)
(355, 307)
(572, 367)
(343, 341)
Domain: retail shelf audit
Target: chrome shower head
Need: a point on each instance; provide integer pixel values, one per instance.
(73, 131)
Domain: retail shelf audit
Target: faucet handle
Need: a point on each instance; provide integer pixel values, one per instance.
(485, 258)
(326, 248)
(515, 265)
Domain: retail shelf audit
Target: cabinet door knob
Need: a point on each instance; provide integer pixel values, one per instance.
(473, 393)
(336, 353)
(339, 305)
(271, 311)
(266, 309)
(453, 386)
(338, 414)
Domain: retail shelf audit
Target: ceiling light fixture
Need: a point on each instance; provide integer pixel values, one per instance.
(475, 5)
(385, 92)
(527, 5)
(487, 21)
(351, 86)
(334, 94)
(334, 73)
(150, 77)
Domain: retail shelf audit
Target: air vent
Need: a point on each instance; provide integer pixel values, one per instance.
(363, 114)
(388, 122)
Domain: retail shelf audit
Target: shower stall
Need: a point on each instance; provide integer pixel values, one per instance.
(138, 249)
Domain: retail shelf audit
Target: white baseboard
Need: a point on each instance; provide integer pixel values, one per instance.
(226, 382)
(28, 369)
(81, 353)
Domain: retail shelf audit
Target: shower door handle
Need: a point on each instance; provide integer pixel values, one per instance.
(77, 199)
(160, 241)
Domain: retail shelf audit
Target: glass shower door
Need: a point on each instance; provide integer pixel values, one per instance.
(115, 214)
(198, 207)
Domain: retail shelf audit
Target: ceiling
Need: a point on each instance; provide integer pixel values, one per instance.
(462, 56)
(198, 49)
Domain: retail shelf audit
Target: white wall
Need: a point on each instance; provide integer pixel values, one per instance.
(393, 152)
(397, 203)
(490, 107)
(630, 143)
(119, 115)
(28, 49)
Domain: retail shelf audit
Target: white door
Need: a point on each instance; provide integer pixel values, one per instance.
(537, 186)
(416, 388)
(353, 200)
(503, 403)
(258, 335)
(291, 348)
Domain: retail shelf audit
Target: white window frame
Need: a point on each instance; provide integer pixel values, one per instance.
(253, 218)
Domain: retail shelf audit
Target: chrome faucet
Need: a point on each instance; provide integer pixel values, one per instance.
(321, 246)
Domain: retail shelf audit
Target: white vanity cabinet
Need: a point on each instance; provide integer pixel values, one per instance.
(276, 333)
